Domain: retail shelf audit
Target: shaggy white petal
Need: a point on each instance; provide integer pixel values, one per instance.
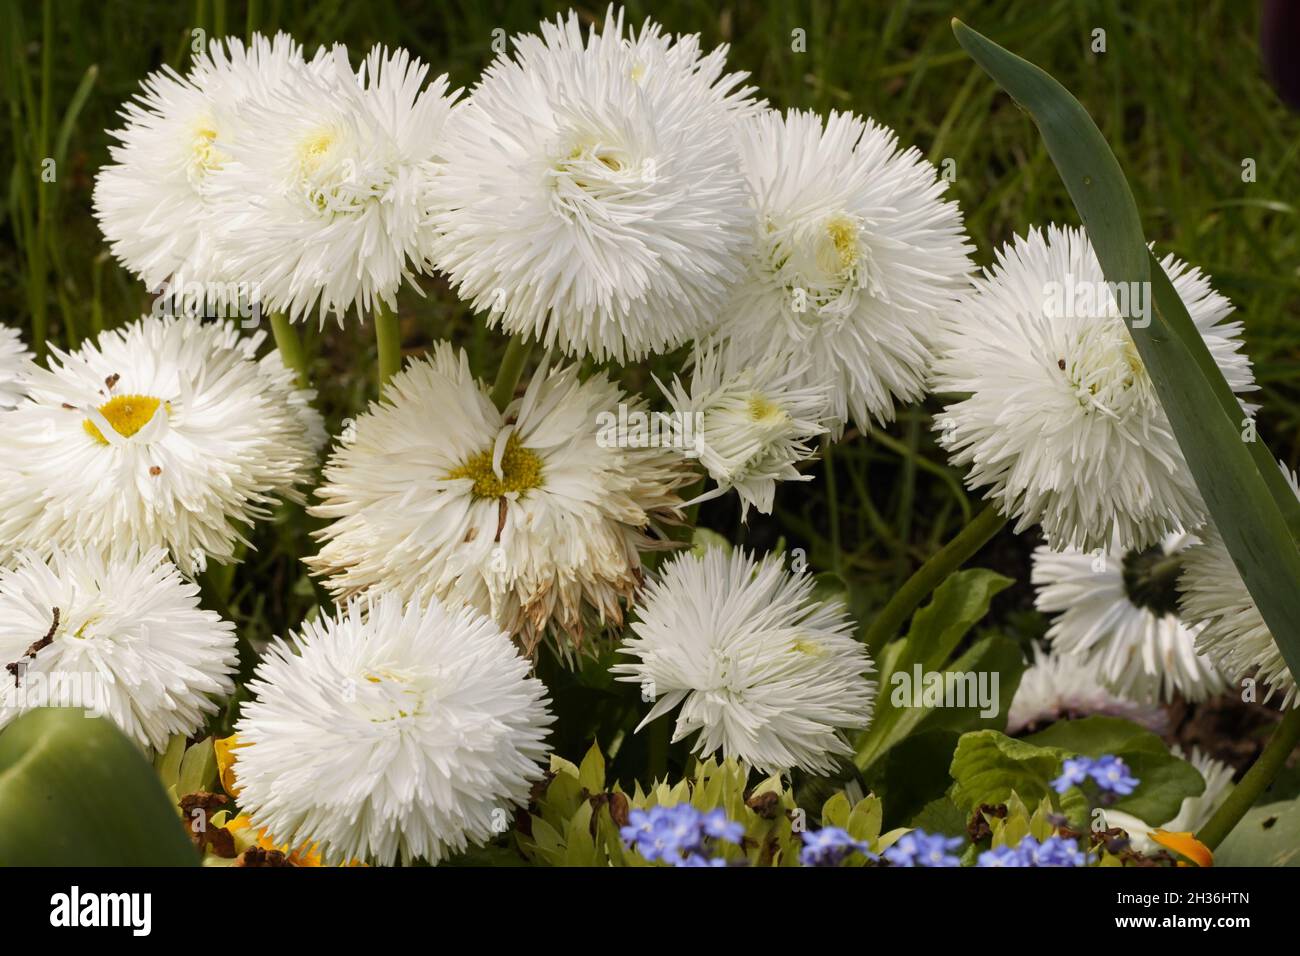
(1234, 634)
(1064, 687)
(165, 432)
(767, 673)
(855, 257)
(14, 359)
(524, 515)
(388, 731)
(592, 196)
(131, 642)
(752, 420)
(154, 201)
(1134, 641)
(1061, 421)
(324, 200)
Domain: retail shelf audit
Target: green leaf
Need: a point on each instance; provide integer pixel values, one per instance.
(1252, 508)
(198, 770)
(989, 766)
(74, 791)
(1266, 836)
(941, 816)
(591, 775)
(1165, 779)
(935, 632)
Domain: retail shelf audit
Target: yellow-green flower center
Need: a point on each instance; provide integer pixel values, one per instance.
(126, 413)
(521, 469)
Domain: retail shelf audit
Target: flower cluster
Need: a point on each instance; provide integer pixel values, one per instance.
(1056, 850)
(918, 848)
(680, 835)
(830, 846)
(1108, 772)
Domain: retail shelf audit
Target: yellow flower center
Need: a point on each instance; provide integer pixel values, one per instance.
(810, 648)
(521, 469)
(313, 149)
(126, 413)
(204, 155)
(761, 407)
(843, 233)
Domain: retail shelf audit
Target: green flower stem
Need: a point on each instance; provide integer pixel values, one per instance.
(931, 574)
(1257, 778)
(512, 366)
(388, 338)
(290, 347)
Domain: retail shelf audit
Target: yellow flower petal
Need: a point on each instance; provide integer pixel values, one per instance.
(225, 751)
(1185, 844)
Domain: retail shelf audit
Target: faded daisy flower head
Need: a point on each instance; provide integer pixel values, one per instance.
(592, 196)
(527, 515)
(389, 732)
(166, 432)
(324, 200)
(753, 421)
(1058, 686)
(121, 637)
(766, 672)
(1060, 420)
(1117, 610)
(855, 256)
(1233, 633)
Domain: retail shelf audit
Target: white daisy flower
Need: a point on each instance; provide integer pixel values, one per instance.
(1117, 610)
(525, 515)
(1194, 813)
(1234, 635)
(390, 731)
(323, 201)
(123, 638)
(14, 359)
(1061, 421)
(855, 256)
(752, 422)
(767, 673)
(592, 196)
(1060, 686)
(154, 201)
(165, 432)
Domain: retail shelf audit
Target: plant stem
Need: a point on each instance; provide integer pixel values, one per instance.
(388, 337)
(512, 366)
(290, 347)
(833, 504)
(931, 574)
(1257, 778)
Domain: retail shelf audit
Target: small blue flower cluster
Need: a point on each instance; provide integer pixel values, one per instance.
(680, 835)
(829, 846)
(919, 848)
(1054, 851)
(1109, 773)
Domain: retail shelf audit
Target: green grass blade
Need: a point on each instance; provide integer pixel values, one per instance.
(1253, 514)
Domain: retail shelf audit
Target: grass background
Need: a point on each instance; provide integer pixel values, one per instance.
(1179, 92)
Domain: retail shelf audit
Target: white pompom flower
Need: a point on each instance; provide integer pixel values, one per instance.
(123, 638)
(752, 421)
(767, 673)
(1234, 634)
(324, 202)
(1059, 419)
(166, 432)
(14, 359)
(154, 201)
(1060, 686)
(856, 254)
(1117, 610)
(528, 515)
(390, 732)
(592, 196)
